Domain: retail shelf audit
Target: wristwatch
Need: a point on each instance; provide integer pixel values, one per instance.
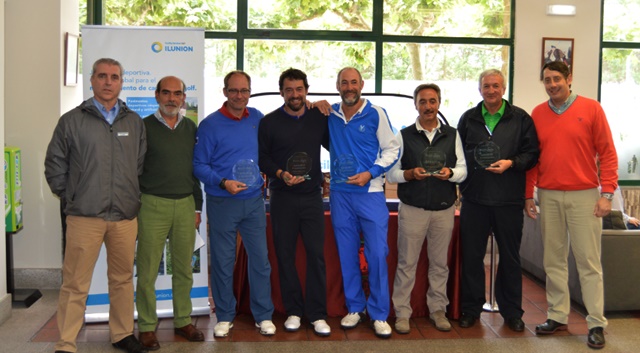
(607, 195)
(451, 174)
(221, 185)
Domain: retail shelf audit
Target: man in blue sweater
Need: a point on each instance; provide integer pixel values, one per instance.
(363, 147)
(293, 131)
(226, 161)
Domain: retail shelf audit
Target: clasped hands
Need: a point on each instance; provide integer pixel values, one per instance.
(420, 173)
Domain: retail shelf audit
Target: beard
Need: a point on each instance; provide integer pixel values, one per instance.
(350, 101)
(295, 105)
(169, 110)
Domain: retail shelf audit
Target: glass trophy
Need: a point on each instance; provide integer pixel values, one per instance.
(299, 164)
(345, 166)
(247, 172)
(432, 160)
(486, 153)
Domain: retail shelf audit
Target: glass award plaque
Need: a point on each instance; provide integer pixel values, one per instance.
(345, 166)
(247, 172)
(432, 160)
(299, 164)
(486, 153)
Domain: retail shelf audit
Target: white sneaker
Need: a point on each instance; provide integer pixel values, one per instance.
(292, 324)
(351, 320)
(222, 329)
(382, 329)
(266, 327)
(321, 328)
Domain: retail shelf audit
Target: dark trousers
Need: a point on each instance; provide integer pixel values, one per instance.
(293, 214)
(476, 224)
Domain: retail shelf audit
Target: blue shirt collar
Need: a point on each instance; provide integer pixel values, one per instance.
(109, 115)
(565, 106)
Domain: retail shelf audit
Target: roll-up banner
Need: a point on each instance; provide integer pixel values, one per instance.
(148, 54)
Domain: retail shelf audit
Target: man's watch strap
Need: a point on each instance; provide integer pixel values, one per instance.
(221, 185)
(607, 195)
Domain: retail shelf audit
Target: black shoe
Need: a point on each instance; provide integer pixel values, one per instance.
(515, 324)
(467, 320)
(596, 338)
(550, 327)
(130, 344)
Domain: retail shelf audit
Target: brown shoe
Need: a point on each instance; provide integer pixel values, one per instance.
(190, 332)
(149, 340)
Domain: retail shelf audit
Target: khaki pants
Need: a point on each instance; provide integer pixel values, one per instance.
(567, 220)
(85, 236)
(415, 225)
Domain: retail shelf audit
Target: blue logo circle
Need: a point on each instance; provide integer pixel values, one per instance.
(156, 47)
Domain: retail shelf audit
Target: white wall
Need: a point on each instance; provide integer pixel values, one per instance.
(5, 299)
(532, 24)
(35, 87)
(34, 60)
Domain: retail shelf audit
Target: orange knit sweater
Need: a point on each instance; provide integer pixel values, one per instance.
(570, 144)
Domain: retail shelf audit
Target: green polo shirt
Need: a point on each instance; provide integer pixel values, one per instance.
(491, 120)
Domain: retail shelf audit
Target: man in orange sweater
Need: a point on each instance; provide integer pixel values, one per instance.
(574, 134)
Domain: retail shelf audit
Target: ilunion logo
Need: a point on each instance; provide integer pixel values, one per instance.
(156, 47)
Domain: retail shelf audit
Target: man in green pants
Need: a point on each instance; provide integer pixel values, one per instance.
(171, 205)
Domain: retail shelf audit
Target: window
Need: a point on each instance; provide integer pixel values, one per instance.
(454, 18)
(396, 44)
(455, 68)
(620, 82)
(216, 15)
(320, 60)
(341, 15)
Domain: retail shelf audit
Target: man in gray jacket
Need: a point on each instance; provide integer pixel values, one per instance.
(93, 162)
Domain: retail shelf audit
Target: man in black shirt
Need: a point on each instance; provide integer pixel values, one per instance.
(296, 198)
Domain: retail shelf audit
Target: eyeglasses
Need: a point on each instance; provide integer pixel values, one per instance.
(235, 91)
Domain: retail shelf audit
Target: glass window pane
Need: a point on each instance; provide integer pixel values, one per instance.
(214, 15)
(83, 12)
(620, 21)
(455, 68)
(321, 61)
(459, 18)
(352, 15)
(219, 59)
(620, 92)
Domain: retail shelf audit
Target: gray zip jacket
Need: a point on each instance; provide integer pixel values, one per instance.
(93, 166)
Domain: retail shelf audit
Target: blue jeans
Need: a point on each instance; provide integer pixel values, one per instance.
(226, 216)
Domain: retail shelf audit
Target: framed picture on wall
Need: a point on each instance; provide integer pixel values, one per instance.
(557, 49)
(71, 42)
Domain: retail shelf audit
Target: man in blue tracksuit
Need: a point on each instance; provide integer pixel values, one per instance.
(361, 136)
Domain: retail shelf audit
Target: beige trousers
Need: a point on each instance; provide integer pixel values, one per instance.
(567, 221)
(85, 236)
(415, 225)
